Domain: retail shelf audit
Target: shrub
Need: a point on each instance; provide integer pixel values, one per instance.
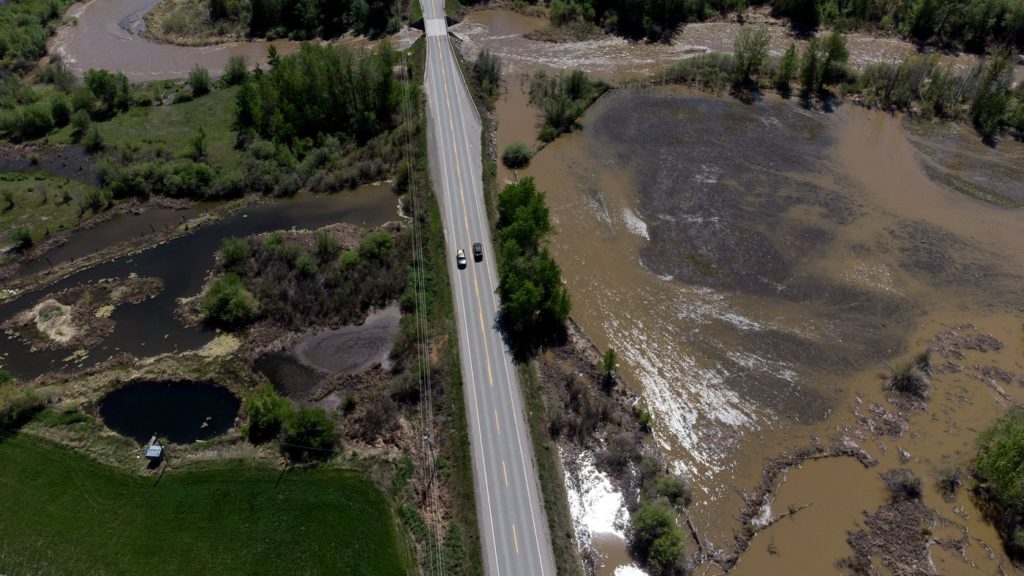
(80, 122)
(93, 141)
(677, 491)
(199, 81)
(907, 378)
(228, 303)
(655, 538)
(903, 484)
(60, 110)
(236, 256)
(516, 155)
(267, 412)
(16, 404)
(308, 435)
(235, 72)
(950, 480)
(21, 237)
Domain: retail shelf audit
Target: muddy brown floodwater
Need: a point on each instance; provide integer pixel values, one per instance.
(110, 34)
(755, 266)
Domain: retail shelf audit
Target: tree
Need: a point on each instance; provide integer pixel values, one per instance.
(267, 412)
(60, 110)
(228, 303)
(308, 435)
(235, 256)
(833, 68)
(113, 90)
(516, 155)
(993, 94)
(93, 140)
(1000, 464)
(198, 146)
(655, 537)
(750, 51)
(787, 70)
(811, 68)
(199, 81)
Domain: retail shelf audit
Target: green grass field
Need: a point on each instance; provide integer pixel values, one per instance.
(174, 126)
(40, 203)
(61, 513)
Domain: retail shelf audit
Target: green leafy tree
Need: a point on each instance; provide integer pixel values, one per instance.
(309, 435)
(750, 52)
(786, 71)
(993, 94)
(833, 67)
(60, 110)
(655, 537)
(236, 258)
(267, 412)
(21, 237)
(229, 304)
(811, 68)
(112, 90)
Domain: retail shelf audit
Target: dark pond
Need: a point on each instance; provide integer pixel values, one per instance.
(182, 412)
(150, 328)
(288, 375)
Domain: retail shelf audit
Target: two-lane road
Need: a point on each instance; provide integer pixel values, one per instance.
(513, 527)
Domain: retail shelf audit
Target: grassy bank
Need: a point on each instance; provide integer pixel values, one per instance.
(75, 516)
(43, 205)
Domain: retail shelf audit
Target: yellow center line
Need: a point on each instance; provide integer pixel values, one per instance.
(515, 538)
(497, 421)
(465, 217)
(504, 469)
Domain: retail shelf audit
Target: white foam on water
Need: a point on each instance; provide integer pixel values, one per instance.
(708, 174)
(630, 570)
(635, 224)
(596, 506)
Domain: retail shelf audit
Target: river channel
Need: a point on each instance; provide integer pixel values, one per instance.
(150, 327)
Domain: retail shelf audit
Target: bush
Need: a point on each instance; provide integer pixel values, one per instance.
(903, 484)
(235, 72)
(655, 538)
(907, 378)
(80, 123)
(21, 237)
(235, 256)
(199, 81)
(677, 491)
(60, 110)
(93, 141)
(229, 304)
(267, 413)
(516, 155)
(308, 435)
(17, 404)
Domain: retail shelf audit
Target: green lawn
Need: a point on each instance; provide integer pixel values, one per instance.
(40, 203)
(61, 513)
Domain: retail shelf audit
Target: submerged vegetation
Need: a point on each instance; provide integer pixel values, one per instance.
(919, 84)
(563, 98)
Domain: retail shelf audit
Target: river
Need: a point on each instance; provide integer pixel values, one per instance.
(108, 34)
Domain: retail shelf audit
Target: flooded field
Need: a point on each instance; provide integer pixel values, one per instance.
(757, 266)
(151, 327)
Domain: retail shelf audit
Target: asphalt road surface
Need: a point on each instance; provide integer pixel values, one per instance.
(513, 527)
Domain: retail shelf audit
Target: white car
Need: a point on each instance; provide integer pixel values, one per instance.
(460, 258)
